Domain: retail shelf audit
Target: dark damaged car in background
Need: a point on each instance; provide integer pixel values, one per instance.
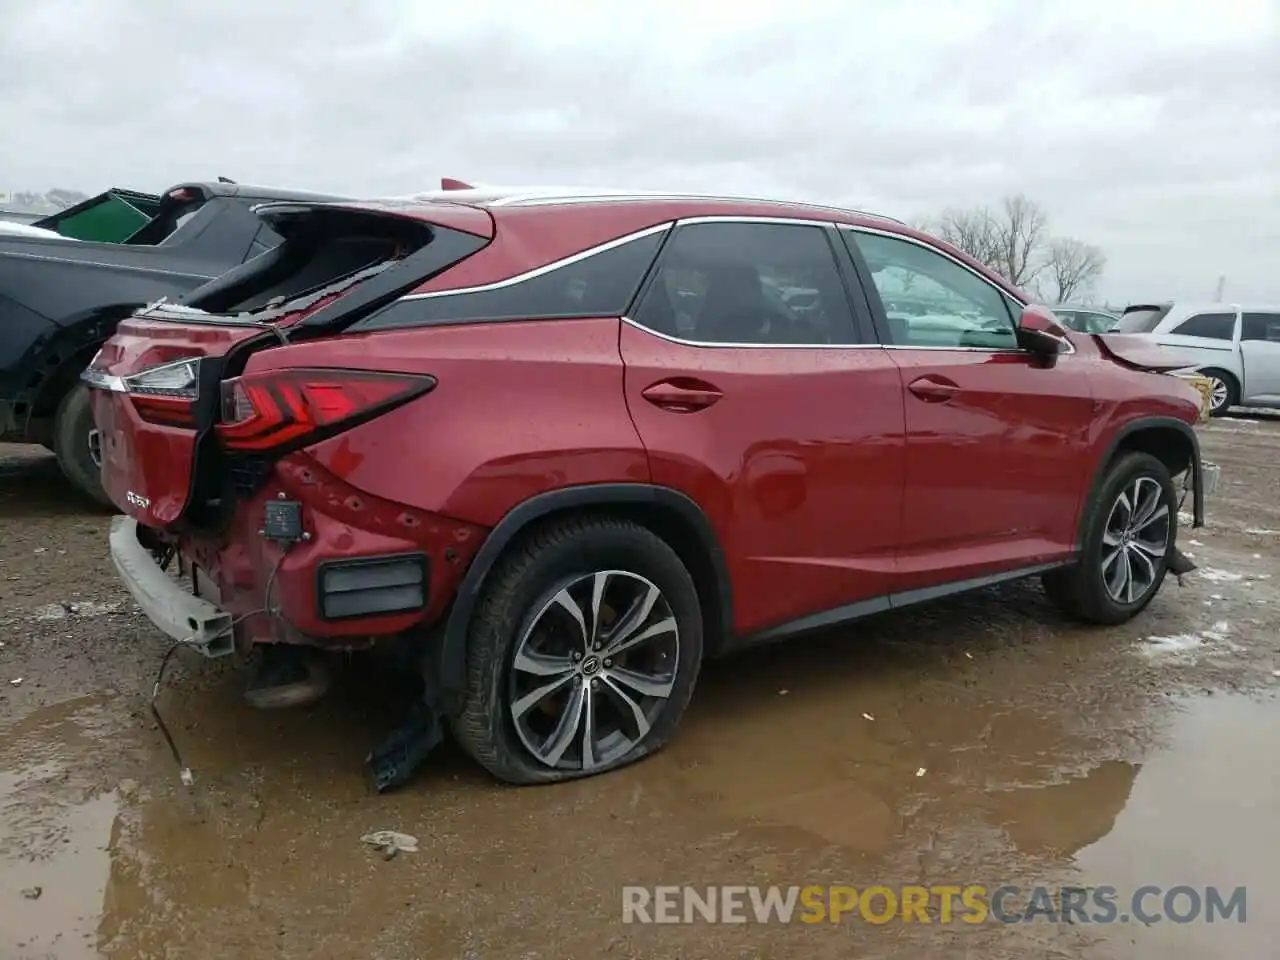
(67, 280)
(563, 448)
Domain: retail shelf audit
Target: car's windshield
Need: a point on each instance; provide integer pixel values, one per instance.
(1140, 319)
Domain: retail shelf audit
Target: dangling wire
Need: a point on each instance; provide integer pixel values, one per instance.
(184, 772)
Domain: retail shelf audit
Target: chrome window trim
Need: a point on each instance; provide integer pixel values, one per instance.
(739, 218)
(717, 345)
(714, 345)
(545, 268)
(755, 218)
(730, 218)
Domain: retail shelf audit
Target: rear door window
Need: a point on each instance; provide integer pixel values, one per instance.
(1211, 326)
(749, 283)
(1260, 326)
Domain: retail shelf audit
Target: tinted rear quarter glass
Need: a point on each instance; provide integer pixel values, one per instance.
(1260, 326)
(598, 285)
(1212, 326)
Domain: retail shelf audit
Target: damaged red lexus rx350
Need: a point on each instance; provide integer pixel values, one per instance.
(566, 447)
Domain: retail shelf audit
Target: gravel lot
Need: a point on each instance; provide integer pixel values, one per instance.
(979, 740)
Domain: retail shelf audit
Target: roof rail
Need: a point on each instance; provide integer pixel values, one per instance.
(533, 199)
(521, 196)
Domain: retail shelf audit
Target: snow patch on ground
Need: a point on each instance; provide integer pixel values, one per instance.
(79, 609)
(1185, 646)
(1179, 643)
(1214, 575)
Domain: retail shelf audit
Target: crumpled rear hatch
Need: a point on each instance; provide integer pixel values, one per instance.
(159, 380)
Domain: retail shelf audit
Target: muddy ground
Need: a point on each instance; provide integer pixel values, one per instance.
(980, 740)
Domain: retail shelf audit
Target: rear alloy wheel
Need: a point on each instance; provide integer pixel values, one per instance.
(1130, 537)
(1223, 392)
(583, 653)
(77, 444)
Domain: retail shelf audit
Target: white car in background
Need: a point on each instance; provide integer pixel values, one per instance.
(26, 230)
(1236, 346)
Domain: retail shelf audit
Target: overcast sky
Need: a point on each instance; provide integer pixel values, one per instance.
(1149, 128)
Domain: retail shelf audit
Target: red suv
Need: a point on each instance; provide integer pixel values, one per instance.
(565, 447)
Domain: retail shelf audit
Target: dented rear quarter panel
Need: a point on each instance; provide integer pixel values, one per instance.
(342, 521)
(520, 408)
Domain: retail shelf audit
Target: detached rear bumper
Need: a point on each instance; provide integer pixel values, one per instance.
(180, 615)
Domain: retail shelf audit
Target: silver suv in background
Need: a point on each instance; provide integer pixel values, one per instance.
(1237, 346)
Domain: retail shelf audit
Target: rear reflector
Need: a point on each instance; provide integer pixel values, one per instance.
(372, 586)
(262, 412)
(166, 411)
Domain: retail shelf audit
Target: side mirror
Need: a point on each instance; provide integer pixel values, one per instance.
(1040, 332)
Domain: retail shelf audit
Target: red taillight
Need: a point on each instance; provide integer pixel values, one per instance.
(167, 394)
(166, 411)
(264, 411)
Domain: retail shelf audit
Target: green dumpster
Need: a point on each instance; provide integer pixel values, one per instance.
(110, 217)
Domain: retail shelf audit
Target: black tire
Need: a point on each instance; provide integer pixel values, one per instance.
(73, 423)
(533, 571)
(1232, 394)
(1080, 590)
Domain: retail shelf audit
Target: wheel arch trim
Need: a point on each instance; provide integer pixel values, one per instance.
(452, 654)
(1129, 429)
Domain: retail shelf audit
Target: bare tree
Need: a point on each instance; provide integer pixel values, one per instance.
(1020, 231)
(1073, 267)
(973, 231)
(1014, 241)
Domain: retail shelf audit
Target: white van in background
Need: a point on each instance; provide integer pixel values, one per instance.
(1237, 346)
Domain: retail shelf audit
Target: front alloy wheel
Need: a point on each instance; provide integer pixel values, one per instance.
(1136, 541)
(1127, 540)
(593, 670)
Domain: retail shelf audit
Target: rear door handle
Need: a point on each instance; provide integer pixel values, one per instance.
(933, 389)
(682, 394)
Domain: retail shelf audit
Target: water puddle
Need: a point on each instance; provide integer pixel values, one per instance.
(57, 831)
(1201, 813)
(1059, 819)
(968, 744)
